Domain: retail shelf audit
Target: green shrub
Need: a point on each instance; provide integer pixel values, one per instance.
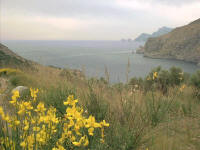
(157, 109)
(136, 82)
(195, 82)
(20, 80)
(165, 79)
(96, 105)
(54, 96)
(176, 76)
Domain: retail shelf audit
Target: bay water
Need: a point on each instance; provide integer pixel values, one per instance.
(94, 57)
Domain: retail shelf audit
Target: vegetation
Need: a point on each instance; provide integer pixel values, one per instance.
(160, 111)
(33, 126)
(8, 58)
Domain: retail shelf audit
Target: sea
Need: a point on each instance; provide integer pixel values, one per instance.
(95, 57)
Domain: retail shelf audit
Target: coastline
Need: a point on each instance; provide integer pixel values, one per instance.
(170, 58)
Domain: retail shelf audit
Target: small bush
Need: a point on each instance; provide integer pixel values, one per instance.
(157, 109)
(195, 82)
(176, 76)
(54, 96)
(165, 79)
(96, 105)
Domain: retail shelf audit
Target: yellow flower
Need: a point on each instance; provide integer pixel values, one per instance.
(1, 111)
(7, 118)
(16, 94)
(42, 124)
(12, 101)
(91, 123)
(83, 140)
(28, 105)
(103, 123)
(26, 127)
(34, 93)
(36, 128)
(76, 143)
(72, 138)
(23, 144)
(102, 140)
(71, 123)
(86, 142)
(182, 87)
(90, 131)
(40, 107)
(21, 109)
(155, 75)
(33, 121)
(17, 122)
(71, 101)
(14, 97)
(59, 148)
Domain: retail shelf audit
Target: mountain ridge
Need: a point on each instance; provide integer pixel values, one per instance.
(145, 36)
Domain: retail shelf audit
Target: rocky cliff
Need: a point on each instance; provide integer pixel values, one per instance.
(182, 43)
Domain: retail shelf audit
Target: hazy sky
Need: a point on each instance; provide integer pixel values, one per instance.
(91, 19)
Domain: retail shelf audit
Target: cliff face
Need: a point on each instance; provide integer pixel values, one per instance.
(9, 58)
(182, 43)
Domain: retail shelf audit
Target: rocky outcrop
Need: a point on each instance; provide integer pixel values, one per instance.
(182, 43)
(140, 50)
(21, 89)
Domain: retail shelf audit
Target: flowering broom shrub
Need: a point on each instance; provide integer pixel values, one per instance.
(32, 126)
(9, 71)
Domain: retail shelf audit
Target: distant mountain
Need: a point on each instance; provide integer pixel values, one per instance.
(182, 43)
(9, 58)
(161, 31)
(143, 37)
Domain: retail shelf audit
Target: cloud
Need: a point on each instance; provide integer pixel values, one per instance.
(178, 15)
(165, 2)
(63, 8)
(175, 2)
(62, 28)
(91, 19)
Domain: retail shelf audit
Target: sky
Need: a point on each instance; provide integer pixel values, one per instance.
(91, 19)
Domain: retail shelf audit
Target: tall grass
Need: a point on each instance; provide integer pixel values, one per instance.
(161, 112)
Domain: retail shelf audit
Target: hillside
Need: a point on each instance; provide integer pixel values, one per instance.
(9, 58)
(183, 43)
(161, 31)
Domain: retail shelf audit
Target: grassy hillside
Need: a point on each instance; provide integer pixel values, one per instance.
(8, 58)
(182, 43)
(158, 112)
